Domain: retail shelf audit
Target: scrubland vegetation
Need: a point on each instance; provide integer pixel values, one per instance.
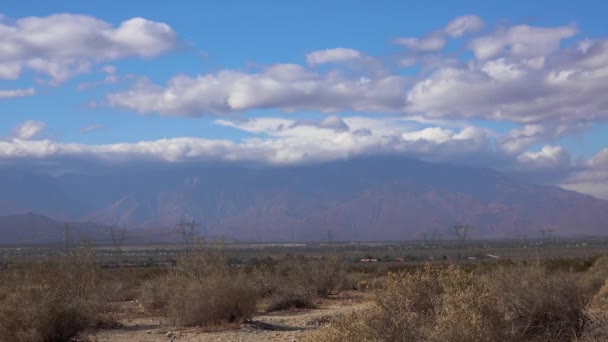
(67, 298)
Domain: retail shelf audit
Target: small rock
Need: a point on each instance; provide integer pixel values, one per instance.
(149, 332)
(169, 334)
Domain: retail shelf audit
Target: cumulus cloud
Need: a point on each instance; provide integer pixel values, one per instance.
(437, 40)
(28, 130)
(549, 157)
(281, 141)
(519, 139)
(565, 86)
(520, 74)
(276, 141)
(64, 45)
(332, 56)
(10, 93)
(461, 25)
(289, 87)
(591, 176)
(521, 41)
(432, 134)
(432, 42)
(91, 128)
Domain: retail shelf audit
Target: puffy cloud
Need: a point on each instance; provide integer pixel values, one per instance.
(10, 93)
(591, 176)
(91, 128)
(563, 87)
(287, 86)
(431, 42)
(521, 41)
(28, 130)
(280, 141)
(332, 122)
(437, 40)
(549, 157)
(64, 45)
(433, 134)
(277, 141)
(520, 139)
(521, 75)
(461, 25)
(332, 56)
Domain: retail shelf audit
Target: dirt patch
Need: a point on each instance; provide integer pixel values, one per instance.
(290, 325)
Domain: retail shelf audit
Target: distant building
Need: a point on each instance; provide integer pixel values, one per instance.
(369, 260)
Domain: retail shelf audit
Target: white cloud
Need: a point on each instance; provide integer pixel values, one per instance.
(461, 25)
(522, 75)
(91, 128)
(431, 42)
(549, 157)
(10, 93)
(437, 40)
(332, 56)
(521, 41)
(28, 130)
(591, 176)
(278, 141)
(289, 87)
(64, 45)
(433, 134)
(567, 88)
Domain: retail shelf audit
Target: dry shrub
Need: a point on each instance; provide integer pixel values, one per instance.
(357, 281)
(293, 298)
(297, 282)
(155, 293)
(467, 309)
(326, 275)
(125, 284)
(540, 306)
(201, 290)
(212, 300)
(427, 305)
(450, 304)
(322, 277)
(596, 276)
(602, 295)
(436, 305)
(353, 327)
(53, 300)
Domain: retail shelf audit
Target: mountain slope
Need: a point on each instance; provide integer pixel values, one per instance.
(29, 228)
(363, 199)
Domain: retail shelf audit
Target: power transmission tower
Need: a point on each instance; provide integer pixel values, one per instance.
(546, 233)
(188, 231)
(329, 237)
(118, 237)
(462, 233)
(67, 237)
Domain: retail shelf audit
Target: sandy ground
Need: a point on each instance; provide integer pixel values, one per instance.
(278, 326)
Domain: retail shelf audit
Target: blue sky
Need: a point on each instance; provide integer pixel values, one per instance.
(511, 85)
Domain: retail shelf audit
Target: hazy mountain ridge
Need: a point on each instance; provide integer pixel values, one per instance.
(363, 199)
(30, 228)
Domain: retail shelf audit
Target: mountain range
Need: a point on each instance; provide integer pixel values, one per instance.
(380, 198)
